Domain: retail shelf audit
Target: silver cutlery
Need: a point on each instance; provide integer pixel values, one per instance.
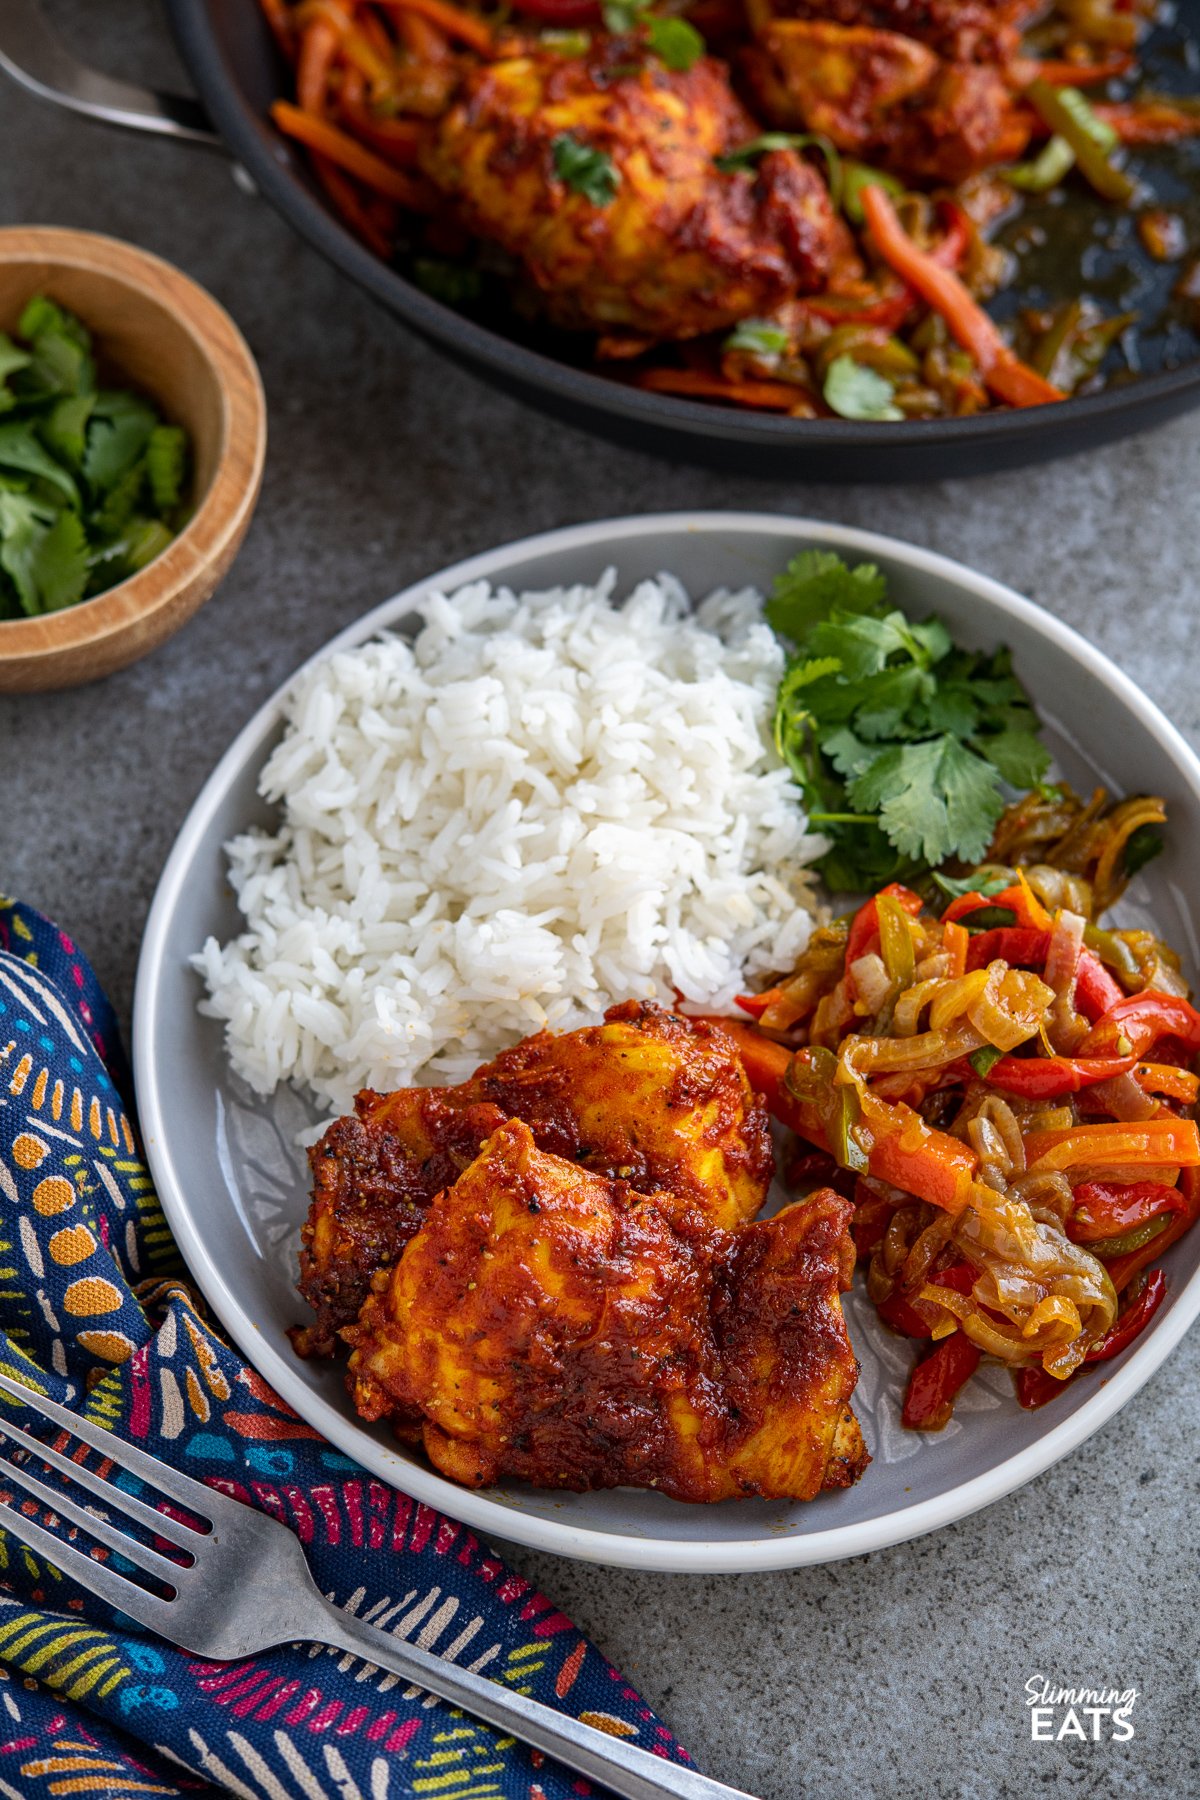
(247, 1588)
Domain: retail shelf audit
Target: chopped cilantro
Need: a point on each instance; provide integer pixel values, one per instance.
(980, 881)
(588, 171)
(91, 483)
(898, 739)
(856, 392)
(675, 42)
(757, 337)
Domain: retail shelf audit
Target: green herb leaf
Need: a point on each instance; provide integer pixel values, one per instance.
(117, 436)
(621, 16)
(815, 584)
(758, 337)
(1018, 753)
(588, 171)
(21, 450)
(887, 726)
(64, 429)
(980, 881)
(23, 521)
(984, 1060)
(1141, 847)
(12, 358)
(60, 564)
(166, 461)
(675, 43)
(935, 799)
(61, 348)
(856, 392)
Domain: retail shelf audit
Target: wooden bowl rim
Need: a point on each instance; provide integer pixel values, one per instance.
(233, 490)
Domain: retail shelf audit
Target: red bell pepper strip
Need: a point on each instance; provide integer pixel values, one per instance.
(936, 1381)
(1049, 1077)
(1002, 370)
(899, 1312)
(1141, 1020)
(1123, 1269)
(1016, 944)
(864, 927)
(1105, 1209)
(757, 1004)
(1095, 989)
(1035, 1387)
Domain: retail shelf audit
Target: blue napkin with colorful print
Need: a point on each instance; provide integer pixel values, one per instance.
(96, 1312)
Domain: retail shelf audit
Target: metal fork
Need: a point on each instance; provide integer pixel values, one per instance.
(248, 1588)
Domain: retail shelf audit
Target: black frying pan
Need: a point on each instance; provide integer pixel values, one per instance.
(233, 61)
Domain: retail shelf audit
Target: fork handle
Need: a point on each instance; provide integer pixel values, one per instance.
(621, 1767)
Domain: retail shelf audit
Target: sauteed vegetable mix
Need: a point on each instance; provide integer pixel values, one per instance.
(798, 207)
(1006, 1088)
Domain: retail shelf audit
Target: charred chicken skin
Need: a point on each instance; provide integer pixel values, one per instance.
(650, 1097)
(922, 99)
(671, 247)
(958, 30)
(551, 1324)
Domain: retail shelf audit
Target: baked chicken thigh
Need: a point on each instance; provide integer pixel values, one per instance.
(650, 1097)
(552, 1324)
(599, 175)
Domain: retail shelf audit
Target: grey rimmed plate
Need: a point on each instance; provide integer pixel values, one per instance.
(234, 1184)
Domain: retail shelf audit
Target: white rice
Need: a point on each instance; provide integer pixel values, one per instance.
(538, 806)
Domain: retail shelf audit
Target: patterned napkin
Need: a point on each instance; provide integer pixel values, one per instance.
(95, 1311)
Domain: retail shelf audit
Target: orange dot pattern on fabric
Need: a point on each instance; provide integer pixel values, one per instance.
(53, 1195)
(110, 1346)
(84, 1299)
(71, 1245)
(29, 1151)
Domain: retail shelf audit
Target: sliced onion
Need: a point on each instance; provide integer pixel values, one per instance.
(1124, 1097)
(872, 983)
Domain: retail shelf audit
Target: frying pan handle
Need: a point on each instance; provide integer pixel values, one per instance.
(39, 61)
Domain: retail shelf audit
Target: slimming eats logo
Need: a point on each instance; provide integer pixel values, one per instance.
(1091, 1715)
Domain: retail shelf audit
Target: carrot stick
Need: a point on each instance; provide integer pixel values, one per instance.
(279, 19)
(772, 396)
(340, 148)
(345, 197)
(1068, 74)
(1003, 372)
(467, 27)
(318, 46)
(1149, 121)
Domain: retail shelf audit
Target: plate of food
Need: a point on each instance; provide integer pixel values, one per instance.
(859, 239)
(670, 1041)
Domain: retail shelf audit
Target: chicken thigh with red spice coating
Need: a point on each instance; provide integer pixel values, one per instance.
(654, 1098)
(554, 1326)
(599, 175)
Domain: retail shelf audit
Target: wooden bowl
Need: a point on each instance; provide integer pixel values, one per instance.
(158, 332)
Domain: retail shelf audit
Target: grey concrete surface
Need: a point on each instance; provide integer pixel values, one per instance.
(900, 1673)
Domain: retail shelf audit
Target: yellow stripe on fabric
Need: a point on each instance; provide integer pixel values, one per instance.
(87, 1682)
(535, 1648)
(31, 1663)
(426, 1784)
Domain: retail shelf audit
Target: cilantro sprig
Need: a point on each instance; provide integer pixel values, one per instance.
(588, 171)
(673, 40)
(92, 481)
(899, 739)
